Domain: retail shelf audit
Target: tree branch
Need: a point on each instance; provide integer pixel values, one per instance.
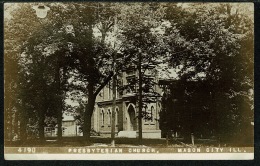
(109, 26)
(109, 77)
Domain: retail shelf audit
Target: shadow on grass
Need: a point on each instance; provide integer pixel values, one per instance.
(79, 141)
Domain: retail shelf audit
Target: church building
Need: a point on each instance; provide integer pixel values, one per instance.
(126, 115)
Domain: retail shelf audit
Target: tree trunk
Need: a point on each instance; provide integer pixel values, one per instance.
(87, 120)
(103, 36)
(16, 123)
(167, 138)
(59, 102)
(23, 126)
(88, 112)
(59, 122)
(41, 125)
(140, 105)
(23, 136)
(87, 123)
(113, 125)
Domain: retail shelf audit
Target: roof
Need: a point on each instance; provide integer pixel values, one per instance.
(68, 118)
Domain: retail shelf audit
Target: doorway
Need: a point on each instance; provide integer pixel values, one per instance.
(132, 119)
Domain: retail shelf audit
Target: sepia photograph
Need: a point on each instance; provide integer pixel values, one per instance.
(128, 81)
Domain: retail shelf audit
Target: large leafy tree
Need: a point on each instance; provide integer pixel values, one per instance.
(40, 53)
(215, 45)
(144, 45)
(64, 43)
(14, 80)
(92, 55)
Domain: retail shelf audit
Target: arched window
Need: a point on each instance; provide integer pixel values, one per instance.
(159, 106)
(145, 113)
(93, 115)
(152, 113)
(102, 117)
(116, 116)
(109, 117)
(109, 90)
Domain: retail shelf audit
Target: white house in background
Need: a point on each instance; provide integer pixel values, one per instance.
(69, 125)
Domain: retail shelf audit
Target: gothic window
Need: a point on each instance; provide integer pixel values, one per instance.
(145, 113)
(102, 117)
(109, 117)
(116, 92)
(116, 116)
(108, 90)
(152, 113)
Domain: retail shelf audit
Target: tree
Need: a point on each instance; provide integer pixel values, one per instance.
(185, 109)
(93, 55)
(13, 49)
(68, 39)
(211, 42)
(144, 46)
(39, 79)
(44, 83)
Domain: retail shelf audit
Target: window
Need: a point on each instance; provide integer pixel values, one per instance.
(102, 118)
(103, 91)
(108, 90)
(159, 107)
(109, 117)
(116, 116)
(116, 93)
(48, 129)
(131, 84)
(152, 113)
(145, 113)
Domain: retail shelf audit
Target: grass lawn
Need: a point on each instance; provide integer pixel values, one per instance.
(99, 141)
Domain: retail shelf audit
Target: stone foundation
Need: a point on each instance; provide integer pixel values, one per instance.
(151, 133)
(127, 134)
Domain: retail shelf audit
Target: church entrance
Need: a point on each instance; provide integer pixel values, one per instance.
(132, 119)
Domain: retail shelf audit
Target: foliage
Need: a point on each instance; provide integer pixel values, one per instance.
(216, 48)
(76, 50)
(143, 46)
